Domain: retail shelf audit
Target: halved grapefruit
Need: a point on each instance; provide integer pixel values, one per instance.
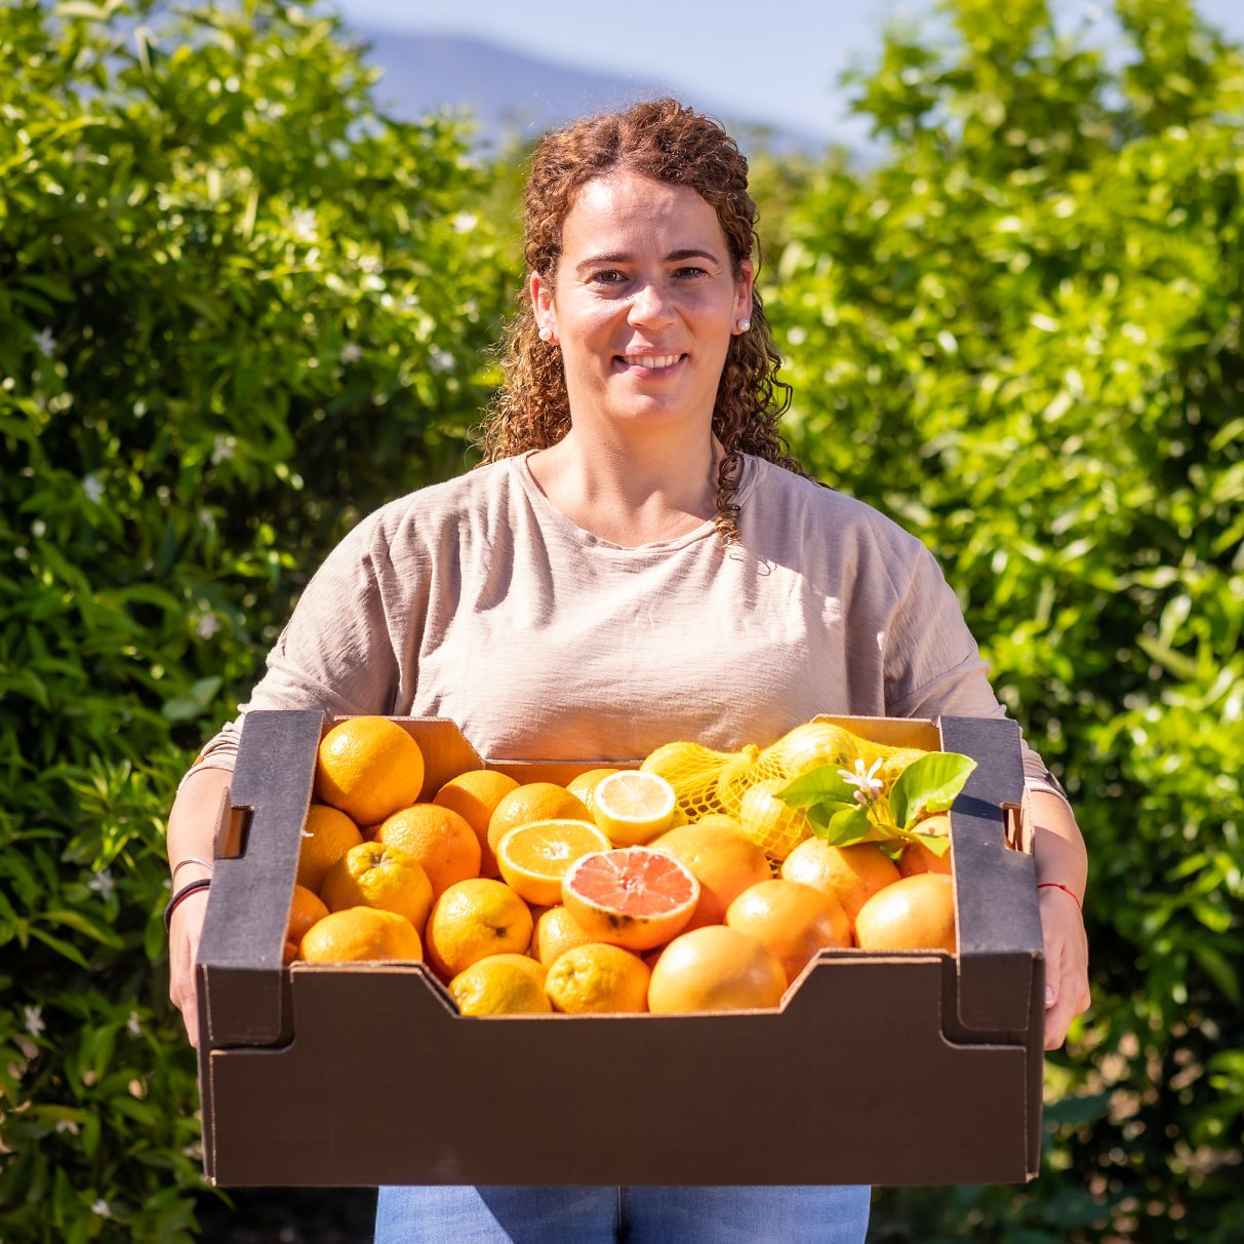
(634, 897)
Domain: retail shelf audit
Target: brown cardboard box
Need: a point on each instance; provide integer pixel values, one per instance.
(906, 1068)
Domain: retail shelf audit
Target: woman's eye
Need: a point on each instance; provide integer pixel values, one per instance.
(693, 271)
(607, 272)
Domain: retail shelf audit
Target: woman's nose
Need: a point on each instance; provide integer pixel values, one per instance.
(651, 304)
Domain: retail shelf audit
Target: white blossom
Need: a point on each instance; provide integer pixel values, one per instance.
(93, 488)
(351, 353)
(867, 785)
(440, 360)
(208, 625)
(34, 1020)
(133, 1027)
(223, 447)
(46, 343)
(38, 528)
(102, 1208)
(303, 225)
(464, 222)
(102, 883)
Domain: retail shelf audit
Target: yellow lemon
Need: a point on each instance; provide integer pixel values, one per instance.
(633, 806)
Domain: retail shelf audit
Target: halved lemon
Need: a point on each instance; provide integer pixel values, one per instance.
(534, 857)
(633, 806)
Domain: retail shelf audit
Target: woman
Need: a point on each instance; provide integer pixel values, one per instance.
(636, 560)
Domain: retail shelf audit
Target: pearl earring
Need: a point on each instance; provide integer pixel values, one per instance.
(545, 334)
(744, 325)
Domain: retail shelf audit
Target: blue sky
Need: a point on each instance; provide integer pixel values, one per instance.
(776, 62)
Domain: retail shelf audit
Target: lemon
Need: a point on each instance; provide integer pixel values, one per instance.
(633, 806)
(505, 984)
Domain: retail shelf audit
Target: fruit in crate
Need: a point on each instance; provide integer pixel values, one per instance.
(361, 934)
(474, 919)
(793, 921)
(368, 767)
(914, 913)
(583, 786)
(916, 857)
(474, 796)
(533, 858)
(632, 806)
(533, 801)
(556, 932)
(774, 826)
(441, 840)
(598, 978)
(634, 897)
(305, 909)
(715, 968)
(375, 875)
(505, 984)
(852, 875)
(327, 835)
(721, 860)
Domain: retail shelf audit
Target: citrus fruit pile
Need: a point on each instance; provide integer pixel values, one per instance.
(601, 896)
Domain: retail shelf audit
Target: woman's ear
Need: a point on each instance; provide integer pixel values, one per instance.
(743, 293)
(541, 293)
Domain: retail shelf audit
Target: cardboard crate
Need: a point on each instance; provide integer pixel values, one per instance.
(899, 1068)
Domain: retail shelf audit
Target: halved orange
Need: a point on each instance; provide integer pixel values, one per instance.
(533, 858)
(632, 897)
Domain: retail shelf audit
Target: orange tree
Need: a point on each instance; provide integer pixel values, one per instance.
(239, 307)
(1020, 335)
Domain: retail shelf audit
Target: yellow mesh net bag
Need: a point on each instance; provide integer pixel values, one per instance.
(744, 784)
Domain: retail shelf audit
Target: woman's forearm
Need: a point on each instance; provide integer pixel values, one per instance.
(1058, 846)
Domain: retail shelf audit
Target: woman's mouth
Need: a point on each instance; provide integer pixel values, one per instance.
(649, 365)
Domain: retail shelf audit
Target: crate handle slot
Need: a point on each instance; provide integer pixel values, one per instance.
(233, 827)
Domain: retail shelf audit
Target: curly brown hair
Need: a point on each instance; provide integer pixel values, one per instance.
(669, 142)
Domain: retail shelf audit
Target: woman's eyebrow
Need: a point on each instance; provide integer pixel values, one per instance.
(623, 257)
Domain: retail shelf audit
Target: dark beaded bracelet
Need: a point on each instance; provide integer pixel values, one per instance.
(189, 888)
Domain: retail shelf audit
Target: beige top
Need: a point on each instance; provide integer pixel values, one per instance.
(477, 600)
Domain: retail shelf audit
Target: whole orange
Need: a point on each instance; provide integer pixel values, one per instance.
(715, 968)
(304, 910)
(534, 801)
(597, 978)
(326, 836)
(917, 858)
(851, 874)
(721, 860)
(474, 796)
(360, 934)
(368, 767)
(792, 920)
(582, 786)
(915, 913)
(473, 919)
(441, 840)
(374, 874)
(556, 932)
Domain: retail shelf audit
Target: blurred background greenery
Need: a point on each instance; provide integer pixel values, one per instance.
(240, 307)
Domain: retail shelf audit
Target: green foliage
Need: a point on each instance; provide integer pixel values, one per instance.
(238, 309)
(1020, 336)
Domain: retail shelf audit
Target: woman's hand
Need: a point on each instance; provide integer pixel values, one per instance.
(183, 946)
(1066, 963)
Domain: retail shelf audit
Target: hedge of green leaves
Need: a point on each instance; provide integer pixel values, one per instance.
(238, 309)
(1021, 337)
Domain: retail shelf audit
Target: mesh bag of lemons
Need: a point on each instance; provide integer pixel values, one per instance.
(818, 778)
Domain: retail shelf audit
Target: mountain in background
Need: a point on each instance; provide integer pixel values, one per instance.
(514, 95)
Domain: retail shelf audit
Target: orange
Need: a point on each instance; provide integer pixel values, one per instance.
(598, 979)
(360, 934)
(441, 840)
(474, 919)
(721, 860)
(915, 913)
(326, 837)
(474, 796)
(633, 897)
(585, 784)
(534, 857)
(715, 968)
(536, 801)
(917, 858)
(305, 909)
(375, 875)
(368, 767)
(501, 985)
(792, 920)
(556, 932)
(851, 874)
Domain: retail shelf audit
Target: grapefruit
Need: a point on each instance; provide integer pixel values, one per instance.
(794, 921)
(721, 860)
(715, 969)
(633, 897)
(915, 913)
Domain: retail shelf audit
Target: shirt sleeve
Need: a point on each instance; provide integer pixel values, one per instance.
(933, 665)
(335, 652)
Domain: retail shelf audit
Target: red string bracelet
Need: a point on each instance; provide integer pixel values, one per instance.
(191, 887)
(1057, 885)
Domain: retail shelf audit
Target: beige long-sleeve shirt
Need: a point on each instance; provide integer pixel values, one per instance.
(477, 600)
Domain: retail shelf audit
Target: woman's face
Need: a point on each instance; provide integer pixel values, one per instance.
(644, 302)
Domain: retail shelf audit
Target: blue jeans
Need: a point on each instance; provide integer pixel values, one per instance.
(815, 1214)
